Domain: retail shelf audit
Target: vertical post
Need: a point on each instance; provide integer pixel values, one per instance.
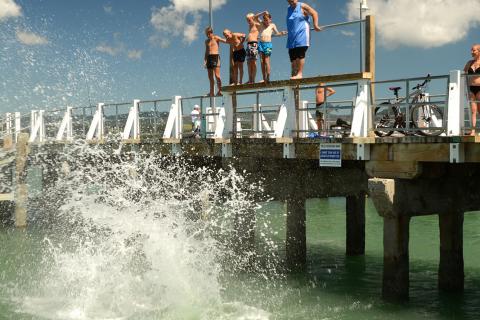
(456, 108)
(370, 54)
(396, 235)
(234, 115)
(18, 125)
(177, 100)
(360, 121)
(101, 123)
(210, 11)
(21, 189)
(136, 125)
(8, 122)
(451, 268)
(355, 207)
(296, 239)
(291, 103)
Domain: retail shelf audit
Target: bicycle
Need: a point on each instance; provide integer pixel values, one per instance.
(423, 115)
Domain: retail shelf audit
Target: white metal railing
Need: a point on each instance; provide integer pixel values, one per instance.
(288, 119)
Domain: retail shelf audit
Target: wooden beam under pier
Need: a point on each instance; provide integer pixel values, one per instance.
(299, 82)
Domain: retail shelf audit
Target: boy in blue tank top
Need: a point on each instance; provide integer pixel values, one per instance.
(298, 25)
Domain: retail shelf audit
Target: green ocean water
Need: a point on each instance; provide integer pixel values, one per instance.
(333, 287)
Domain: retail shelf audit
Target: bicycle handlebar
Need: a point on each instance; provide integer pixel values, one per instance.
(421, 85)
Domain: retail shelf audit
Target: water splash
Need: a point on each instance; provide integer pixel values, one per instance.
(143, 237)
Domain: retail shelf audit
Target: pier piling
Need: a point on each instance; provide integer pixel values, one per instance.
(355, 208)
(296, 241)
(395, 258)
(451, 270)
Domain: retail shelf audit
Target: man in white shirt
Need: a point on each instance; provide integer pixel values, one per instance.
(196, 121)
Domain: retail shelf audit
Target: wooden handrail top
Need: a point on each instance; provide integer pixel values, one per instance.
(299, 82)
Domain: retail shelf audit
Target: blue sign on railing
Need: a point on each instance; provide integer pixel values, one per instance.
(330, 155)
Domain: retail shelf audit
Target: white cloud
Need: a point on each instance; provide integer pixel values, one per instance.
(135, 54)
(113, 51)
(30, 38)
(108, 9)
(347, 33)
(425, 24)
(9, 9)
(182, 18)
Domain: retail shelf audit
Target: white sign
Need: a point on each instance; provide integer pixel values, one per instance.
(330, 155)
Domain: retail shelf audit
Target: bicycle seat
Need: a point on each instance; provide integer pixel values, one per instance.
(394, 88)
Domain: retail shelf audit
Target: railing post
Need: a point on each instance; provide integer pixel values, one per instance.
(361, 119)
(18, 125)
(8, 123)
(370, 51)
(456, 107)
(291, 105)
(37, 126)
(66, 126)
(97, 126)
(177, 100)
(133, 122)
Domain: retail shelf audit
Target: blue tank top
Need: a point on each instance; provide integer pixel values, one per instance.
(298, 28)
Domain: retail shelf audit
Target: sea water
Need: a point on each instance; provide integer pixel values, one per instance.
(146, 237)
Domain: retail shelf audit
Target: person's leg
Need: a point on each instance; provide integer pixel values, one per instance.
(219, 81)
(294, 68)
(300, 65)
(212, 84)
(267, 68)
(240, 68)
(262, 63)
(254, 70)
(235, 72)
(474, 98)
(473, 106)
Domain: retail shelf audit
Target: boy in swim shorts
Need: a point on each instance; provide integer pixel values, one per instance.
(212, 60)
(252, 45)
(267, 28)
(236, 41)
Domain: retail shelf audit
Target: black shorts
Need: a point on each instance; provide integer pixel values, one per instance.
(318, 113)
(297, 53)
(213, 61)
(239, 55)
(475, 89)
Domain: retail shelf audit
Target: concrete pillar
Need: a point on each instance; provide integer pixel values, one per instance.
(244, 225)
(296, 240)
(21, 195)
(356, 225)
(450, 271)
(395, 257)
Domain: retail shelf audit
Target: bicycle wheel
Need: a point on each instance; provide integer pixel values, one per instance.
(384, 120)
(428, 118)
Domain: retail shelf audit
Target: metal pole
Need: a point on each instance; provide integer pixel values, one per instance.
(210, 12)
(361, 36)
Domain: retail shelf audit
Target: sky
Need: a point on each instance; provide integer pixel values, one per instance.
(58, 53)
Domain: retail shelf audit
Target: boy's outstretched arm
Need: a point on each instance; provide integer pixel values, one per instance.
(278, 33)
(330, 91)
(258, 15)
(219, 39)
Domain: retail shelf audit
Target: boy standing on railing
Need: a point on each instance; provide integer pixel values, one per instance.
(298, 25)
(212, 60)
(265, 45)
(236, 41)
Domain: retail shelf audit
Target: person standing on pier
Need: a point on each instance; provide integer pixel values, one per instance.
(298, 25)
(472, 68)
(252, 44)
(236, 41)
(321, 94)
(267, 28)
(212, 60)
